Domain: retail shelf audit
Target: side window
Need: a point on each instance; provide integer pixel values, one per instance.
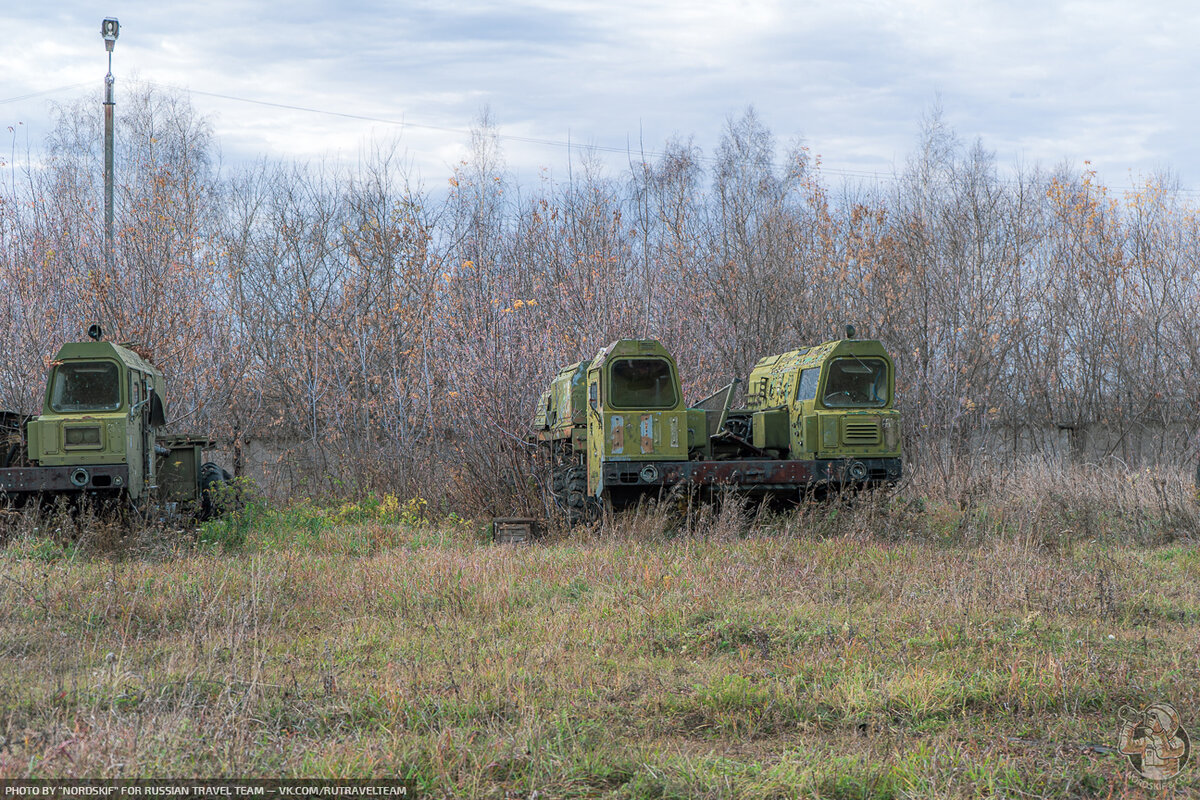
(135, 389)
(808, 384)
(594, 396)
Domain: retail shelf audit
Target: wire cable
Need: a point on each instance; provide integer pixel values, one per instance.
(508, 137)
(877, 177)
(39, 94)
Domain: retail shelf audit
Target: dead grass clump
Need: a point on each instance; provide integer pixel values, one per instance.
(1037, 503)
(67, 529)
(675, 516)
(1044, 503)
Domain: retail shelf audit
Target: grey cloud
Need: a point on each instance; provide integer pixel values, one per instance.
(1106, 81)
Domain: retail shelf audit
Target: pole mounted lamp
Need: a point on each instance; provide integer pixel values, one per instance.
(110, 28)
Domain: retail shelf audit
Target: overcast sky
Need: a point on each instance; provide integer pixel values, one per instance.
(1039, 82)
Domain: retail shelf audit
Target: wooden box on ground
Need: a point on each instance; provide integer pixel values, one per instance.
(514, 530)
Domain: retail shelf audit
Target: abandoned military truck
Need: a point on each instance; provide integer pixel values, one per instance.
(100, 436)
(615, 428)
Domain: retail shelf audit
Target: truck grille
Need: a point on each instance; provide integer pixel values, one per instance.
(861, 431)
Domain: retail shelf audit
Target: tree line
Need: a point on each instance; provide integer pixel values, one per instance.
(343, 330)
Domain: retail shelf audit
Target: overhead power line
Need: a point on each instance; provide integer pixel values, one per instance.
(558, 143)
(508, 137)
(32, 95)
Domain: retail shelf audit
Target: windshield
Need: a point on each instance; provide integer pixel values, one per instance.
(85, 387)
(856, 382)
(642, 383)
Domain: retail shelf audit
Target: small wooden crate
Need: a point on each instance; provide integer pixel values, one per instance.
(514, 530)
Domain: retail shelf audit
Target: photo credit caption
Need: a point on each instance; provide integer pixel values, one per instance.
(122, 789)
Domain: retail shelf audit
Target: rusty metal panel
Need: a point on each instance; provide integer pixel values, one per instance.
(748, 475)
(743, 473)
(179, 474)
(646, 429)
(23, 480)
(617, 423)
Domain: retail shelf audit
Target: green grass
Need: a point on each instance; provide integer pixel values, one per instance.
(887, 650)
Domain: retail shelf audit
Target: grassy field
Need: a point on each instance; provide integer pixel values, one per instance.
(978, 639)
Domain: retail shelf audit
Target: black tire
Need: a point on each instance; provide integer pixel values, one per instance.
(581, 507)
(567, 490)
(213, 478)
(558, 484)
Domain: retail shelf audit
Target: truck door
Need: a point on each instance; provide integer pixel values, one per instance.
(135, 442)
(149, 430)
(595, 429)
(142, 459)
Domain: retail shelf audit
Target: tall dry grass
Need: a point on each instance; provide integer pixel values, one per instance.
(954, 643)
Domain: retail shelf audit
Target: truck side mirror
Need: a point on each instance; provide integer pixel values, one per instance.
(158, 411)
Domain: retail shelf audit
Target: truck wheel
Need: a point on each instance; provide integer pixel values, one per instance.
(567, 489)
(558, 484)
(213, 477)
(581, 507)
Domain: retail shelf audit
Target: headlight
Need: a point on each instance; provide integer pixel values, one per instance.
(82, 436)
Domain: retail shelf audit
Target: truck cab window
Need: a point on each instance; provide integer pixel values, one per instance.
(639, 383)
(92, 386)
(808, 384)
(856, 382)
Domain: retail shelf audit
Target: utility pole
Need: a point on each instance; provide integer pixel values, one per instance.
(109, 29)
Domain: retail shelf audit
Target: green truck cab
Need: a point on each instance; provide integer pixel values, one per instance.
(616, 427)
(100, 435)
(830, 403)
